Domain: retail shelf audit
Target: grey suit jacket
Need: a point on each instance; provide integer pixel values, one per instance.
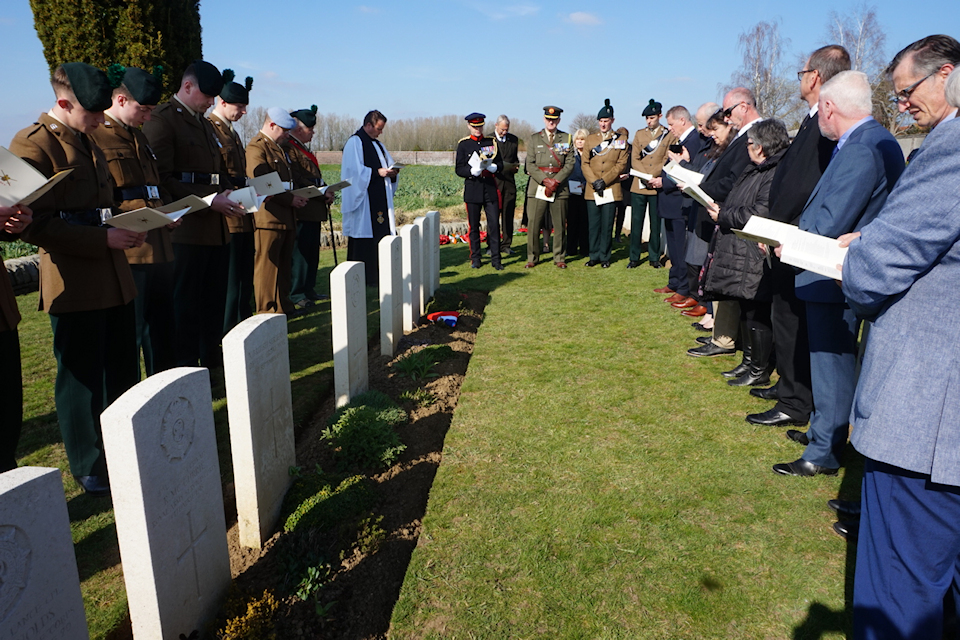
(901, 271)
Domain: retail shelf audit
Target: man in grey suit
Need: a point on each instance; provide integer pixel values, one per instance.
(866, 164)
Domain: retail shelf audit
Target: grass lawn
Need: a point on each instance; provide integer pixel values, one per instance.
(597, 482)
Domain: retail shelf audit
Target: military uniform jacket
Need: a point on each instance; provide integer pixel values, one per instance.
(265, 156)
(9, 313)
(604, 160)
(306, 174)
(559, 156)
(482, 188)
(234, 165)
(649, 154)
(78, 272)
(132, 164)
(183, 143)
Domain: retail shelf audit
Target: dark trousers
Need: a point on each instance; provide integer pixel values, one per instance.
(306, 261)
(200, 293)
(11, 409)
(97, 362)
(239, 296)
(578, 229)
(509, 209)
(153, 308)
(638, 208)
(908, 554)
(601, 229)
(621, 213)
(491, 207)
(676, 232)
(832, 331)
(693, 280)
(791, 346)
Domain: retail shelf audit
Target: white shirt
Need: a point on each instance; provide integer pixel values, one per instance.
(747, 126)
(683, 136)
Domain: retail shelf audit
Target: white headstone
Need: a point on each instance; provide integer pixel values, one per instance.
(410, 235)
(161, 450)
(39, 584)
(391, 294)
(348, 318)
(425, 261)
(256, 366)
(434, 217)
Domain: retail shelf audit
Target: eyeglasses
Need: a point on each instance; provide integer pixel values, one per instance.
(729, 110)
(800, 73)
(903, 96)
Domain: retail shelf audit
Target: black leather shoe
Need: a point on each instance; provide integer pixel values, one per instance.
(798, 436)
(96, 486)
(656, 265)
(700, 327)
(591, 263)
(751, 378)
(704, 339)
(845, 508)
(770, 393)
(849, 531)
(737, 371)
(802, 468)
(774, 418)
(605, 264)
(475, 265)
(498, 267)
(709, 351)
(633, 264)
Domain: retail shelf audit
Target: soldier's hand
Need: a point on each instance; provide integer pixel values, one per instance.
(330, 196)
(16, 218)
(222, 204)
(599, 186)
(655, 183)
(123, 239)
(298, 202)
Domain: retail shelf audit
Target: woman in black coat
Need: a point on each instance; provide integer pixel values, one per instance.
(739, 269)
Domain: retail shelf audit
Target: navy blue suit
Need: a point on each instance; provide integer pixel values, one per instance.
(675, 210)
(850, 193)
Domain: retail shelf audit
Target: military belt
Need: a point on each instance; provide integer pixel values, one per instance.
(550, 169)
(238, 183)
(87, 217)
(146, 192)
(196, 177)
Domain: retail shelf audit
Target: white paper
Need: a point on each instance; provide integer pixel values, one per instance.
(343, 184)
(145, 219)
(307, 192)
(542, 194)
(606, 198)
(802, 249)
(679, 174)
(647, 177)
(191, 202)
(248, 198)
(20, 183)
(576, 188)
(397, 165)
(267, 185)
(698, 194)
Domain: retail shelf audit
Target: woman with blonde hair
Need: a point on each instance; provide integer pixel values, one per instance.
(577, 230)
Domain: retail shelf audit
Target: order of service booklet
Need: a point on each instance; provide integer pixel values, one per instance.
(20, 183)
(679, 174)
(802, 249)
(147, 218)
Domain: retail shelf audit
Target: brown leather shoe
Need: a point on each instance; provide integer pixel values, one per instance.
(686, 303)
(664, 290)
(530, 265)
(674, 298)
(561, 265)
(695, 312)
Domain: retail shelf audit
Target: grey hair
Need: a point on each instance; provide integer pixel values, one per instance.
(679, 111)
(928, 54)
(770, 135)
(706, 110)
(850, 92)
(952, 88)
(503, 118)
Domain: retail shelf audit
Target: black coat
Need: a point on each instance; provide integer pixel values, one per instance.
(729, 168)
(738, 267)
(799, 171)
(482, 188)
(672, 204)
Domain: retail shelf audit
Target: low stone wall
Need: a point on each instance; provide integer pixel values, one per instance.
(24, 273)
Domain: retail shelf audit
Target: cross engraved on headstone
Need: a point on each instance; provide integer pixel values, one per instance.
(192, 550)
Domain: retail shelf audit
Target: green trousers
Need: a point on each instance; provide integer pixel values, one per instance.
(601, 229)
(239, 300)
(638, 204)
(306, 261)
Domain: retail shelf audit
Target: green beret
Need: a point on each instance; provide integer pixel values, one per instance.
(307, 116)
(209, 80)
(234, 92)
(606, 111)
(90, 85)
(653, 109)
(144, 87)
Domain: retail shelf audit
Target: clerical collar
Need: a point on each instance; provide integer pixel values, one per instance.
(683, 136)
(184, 105)
(65, 125)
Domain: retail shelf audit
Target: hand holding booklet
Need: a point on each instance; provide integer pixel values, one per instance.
(646, 177)
(679, 174)
(802, 249)
(20, 183)
(148, 218)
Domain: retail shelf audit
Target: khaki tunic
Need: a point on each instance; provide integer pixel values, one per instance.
(539, 154)
(234, 164)
(306, 174)
(132, 164)
(651, 163)
(607, 165)
(78, 272)
(265, 156)
(183, 143)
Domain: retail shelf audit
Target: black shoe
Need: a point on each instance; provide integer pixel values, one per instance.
(737, 371)
(700, 327)
(96, 486)
(591, 263)
(508, 251)
(475, 265)
(845, 508)
(605, 264)
(849, 531)
(488, 254)
(704, 339)
(798, 436)
(656, 265)
(497, 266)
(633, 264)
(774, 418)
(709, 351)
(802, 468)
(770, 393)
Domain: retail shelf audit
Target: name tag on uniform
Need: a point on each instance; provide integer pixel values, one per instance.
(153, 193)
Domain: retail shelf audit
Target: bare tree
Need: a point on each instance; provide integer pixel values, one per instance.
(764, 72)
(248, 126)
(584, 121)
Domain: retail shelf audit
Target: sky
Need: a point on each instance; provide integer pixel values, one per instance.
(432, 58)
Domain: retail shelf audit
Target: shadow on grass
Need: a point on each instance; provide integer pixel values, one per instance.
(38, 432)
(98, 551)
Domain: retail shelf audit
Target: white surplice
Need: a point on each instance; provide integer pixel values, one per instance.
(355, 205)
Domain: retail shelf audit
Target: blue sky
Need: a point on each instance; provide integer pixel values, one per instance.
(433, 58)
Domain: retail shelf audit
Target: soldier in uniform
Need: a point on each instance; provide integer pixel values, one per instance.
(85, 280)
(230, 108)
(188, 156)
(13, 220)
(604, 160)
(649, 155)
(509, 147)
(274, 223)
(478, 158)
(306, 172)
(550, 162)
(137, 184)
